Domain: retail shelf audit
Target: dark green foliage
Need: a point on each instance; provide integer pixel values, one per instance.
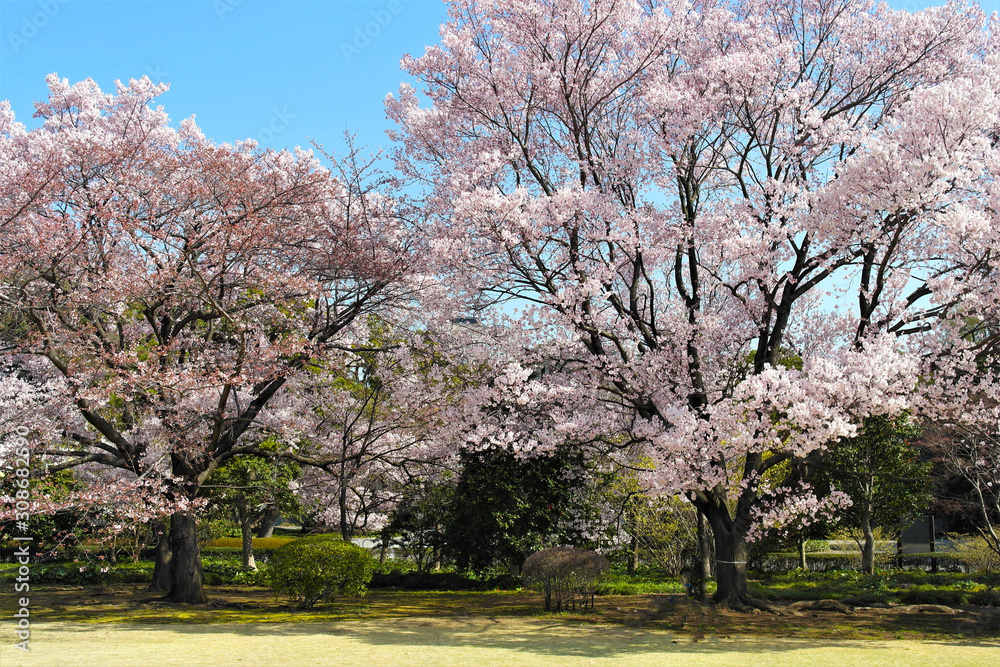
(418, 520)
(317, 568)
(566, 576)
(879, 468)
(443, 581)
(220, 569)
(882, 474)
(985, 599)
(934, 596)
(505, 507)
(55, 535)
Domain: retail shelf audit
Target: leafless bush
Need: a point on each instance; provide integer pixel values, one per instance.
(566, 576)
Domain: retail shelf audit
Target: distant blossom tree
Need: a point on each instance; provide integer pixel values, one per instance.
(173, 285)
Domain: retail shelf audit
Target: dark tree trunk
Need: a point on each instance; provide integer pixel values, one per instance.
(345, 529)
(730, 569)
(187, 576)
(633, 554)
(383, 552)
(868, 548)
(162, 577)
(269, 521)
(514, 564)
(705, 556)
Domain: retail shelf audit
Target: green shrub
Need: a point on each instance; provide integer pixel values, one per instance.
(813, 546)
(227, 568)
(565, 575)
(976, 552)
(77, 573)
(318, 568)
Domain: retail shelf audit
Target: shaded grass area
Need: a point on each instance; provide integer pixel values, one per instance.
(644, 581)
(130, 604)
(223, 566)
(886, 587)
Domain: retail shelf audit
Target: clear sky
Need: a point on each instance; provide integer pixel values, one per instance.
(283, 72)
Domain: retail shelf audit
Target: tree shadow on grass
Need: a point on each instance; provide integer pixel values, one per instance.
(529, 637)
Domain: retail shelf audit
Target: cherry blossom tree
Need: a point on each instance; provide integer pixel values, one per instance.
(665, 189)
(173, 285)
(365, 424)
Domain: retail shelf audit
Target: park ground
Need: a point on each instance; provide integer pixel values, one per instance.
(112, 626)
(463, 641)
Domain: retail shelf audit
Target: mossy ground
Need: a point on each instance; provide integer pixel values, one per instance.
(131, 604)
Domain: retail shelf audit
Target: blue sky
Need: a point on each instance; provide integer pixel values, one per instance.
(280, 72)
(283, 72)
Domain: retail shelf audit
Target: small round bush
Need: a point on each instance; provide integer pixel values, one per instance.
(318, 568)
(566, 576)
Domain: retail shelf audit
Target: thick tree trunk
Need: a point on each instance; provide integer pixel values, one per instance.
(269, 521)
(868, 548)
(188, 585)
(803, 565)
(731, 552)
(162, 577)
(705, 556)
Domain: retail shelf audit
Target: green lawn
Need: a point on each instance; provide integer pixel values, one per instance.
(464, 641)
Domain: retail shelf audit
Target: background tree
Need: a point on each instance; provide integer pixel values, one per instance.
(250, 488)
(881, 471)
(417, 523)
(364, 427)
(970, 451)
(505, 507)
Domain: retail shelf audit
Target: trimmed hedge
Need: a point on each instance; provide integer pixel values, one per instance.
(948, 561)
(443, 581)
(268, 543)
